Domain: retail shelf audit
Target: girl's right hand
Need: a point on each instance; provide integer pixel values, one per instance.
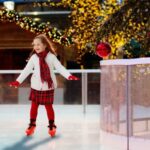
(14, 84)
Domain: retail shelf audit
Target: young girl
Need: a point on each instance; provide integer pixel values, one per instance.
(43, 81)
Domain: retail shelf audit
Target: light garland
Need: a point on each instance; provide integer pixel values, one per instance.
(131, 21)
(32, 26)
(87, 17)
(93, 22)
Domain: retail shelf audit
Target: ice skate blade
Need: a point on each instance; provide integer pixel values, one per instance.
(29, 134)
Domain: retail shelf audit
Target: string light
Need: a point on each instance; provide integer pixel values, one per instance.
(131, 21)
(113, 21)
(35, 27)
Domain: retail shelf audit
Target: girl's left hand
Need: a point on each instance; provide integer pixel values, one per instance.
(73, 78)
(14, 84)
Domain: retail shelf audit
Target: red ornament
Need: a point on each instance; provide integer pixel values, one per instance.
(103, 49)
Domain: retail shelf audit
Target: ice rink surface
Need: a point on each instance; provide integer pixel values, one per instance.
(75, 130)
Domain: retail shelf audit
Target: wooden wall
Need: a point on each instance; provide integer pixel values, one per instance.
(13, 37)
(15, 46)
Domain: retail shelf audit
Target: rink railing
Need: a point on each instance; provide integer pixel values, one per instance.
(84, 79)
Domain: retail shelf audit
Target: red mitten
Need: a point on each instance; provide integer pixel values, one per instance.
(73, 78)
(14, 84)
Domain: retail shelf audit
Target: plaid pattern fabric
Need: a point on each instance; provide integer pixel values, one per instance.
(44, 69)
(42, 97)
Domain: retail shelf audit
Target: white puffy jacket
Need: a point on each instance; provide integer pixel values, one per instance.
(34, 67)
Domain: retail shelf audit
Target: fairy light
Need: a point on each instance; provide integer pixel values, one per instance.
(32, 25)
(113, 21)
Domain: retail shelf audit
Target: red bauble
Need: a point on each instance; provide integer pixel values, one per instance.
(103, 49)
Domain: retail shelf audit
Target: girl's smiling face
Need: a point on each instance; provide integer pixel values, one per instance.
(38, 46)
